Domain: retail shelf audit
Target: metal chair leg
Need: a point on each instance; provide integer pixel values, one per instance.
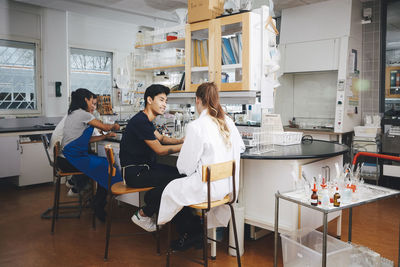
(158, 236)
(108, 231)
(205, 247)
(92, 204)
(235, 235)
(168, 244)
(55, 204)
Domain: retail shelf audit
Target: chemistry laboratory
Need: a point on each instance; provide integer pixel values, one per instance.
(200, 133)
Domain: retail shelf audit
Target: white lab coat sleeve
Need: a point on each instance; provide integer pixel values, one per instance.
(239, 139)
(236, 137)
(191, 151)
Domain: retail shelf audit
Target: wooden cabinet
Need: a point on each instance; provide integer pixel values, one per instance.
(200, 54)
(226, 51)
(392, 82)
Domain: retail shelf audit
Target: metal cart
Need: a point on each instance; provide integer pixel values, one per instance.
(295, 197)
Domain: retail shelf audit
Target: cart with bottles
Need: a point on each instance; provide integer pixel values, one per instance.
(354, 192)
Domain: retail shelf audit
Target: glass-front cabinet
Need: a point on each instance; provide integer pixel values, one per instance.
(391, 61)
(226, 51)
(231, 53)
(199, 55)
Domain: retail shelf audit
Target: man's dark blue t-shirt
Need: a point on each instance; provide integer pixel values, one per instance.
(133, 149)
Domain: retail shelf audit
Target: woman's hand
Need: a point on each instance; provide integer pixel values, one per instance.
(115, 127)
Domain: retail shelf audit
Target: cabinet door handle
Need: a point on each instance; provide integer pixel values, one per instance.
(17, 144)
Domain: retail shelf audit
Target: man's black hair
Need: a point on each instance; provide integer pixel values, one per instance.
(153, 90)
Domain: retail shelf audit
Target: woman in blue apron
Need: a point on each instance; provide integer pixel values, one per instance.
(78, 130)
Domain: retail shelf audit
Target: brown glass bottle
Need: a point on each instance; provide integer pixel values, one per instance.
(314, 197)
(336, 198)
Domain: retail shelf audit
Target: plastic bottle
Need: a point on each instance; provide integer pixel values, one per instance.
(336, 198)
(325, 197)
(314, 196)
(249, 111)
(139, 38)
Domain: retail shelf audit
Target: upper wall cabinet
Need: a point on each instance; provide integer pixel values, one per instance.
(226, 51)
(311, 56)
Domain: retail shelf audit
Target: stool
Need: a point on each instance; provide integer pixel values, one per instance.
(210, 173)
(57, 175)
(119, 189)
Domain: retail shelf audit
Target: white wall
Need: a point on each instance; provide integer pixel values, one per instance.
(55, 62)
(56, 31)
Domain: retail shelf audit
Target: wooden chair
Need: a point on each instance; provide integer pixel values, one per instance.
(119, 189)
(57, 175)
(212, 173)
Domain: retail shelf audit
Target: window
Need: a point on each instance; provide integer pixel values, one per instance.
(18, 77)
(91, 70)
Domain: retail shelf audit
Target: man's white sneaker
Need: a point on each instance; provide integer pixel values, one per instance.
(73, 192)
(147, 223)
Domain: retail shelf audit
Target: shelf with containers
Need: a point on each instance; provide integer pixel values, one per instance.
(226, 51)
(159, 57)
(392, 84)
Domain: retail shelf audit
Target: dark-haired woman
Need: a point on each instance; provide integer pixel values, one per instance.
(212, 138)
(78, 129)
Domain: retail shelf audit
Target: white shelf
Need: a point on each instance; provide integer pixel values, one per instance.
(178, 43)
(226, 97)
(169, 68)
(231, 66)
(198, 69)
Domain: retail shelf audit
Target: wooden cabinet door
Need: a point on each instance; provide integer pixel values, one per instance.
(199, 54)
(392, 84)
(233, 52)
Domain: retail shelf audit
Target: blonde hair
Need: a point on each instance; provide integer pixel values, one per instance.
(208, 94)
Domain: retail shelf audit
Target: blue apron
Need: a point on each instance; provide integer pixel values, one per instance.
(76, 152)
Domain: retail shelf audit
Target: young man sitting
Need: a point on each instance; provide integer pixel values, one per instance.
(140, 144)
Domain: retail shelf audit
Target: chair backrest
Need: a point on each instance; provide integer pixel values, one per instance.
(46, 144)
(218, 171)
(111, 163)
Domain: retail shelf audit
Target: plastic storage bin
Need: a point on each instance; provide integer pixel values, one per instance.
(304, 248)
(287, 138)
(366, 131)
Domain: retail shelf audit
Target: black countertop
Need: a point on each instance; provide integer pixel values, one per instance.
(28, 124)
(316, 149)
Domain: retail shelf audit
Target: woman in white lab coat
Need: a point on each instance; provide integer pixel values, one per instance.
(212, 138)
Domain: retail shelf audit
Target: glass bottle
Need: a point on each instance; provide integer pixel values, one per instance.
(336, 198)
(314, 196)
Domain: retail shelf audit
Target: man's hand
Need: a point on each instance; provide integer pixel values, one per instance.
(110, 134)
(116, 127)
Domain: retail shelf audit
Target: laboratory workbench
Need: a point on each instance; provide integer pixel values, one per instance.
(325, 134)
(314, 149)
(22, 155)
(19, 126)
(262, 175)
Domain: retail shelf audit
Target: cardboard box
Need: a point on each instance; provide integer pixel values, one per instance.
(199, 10)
